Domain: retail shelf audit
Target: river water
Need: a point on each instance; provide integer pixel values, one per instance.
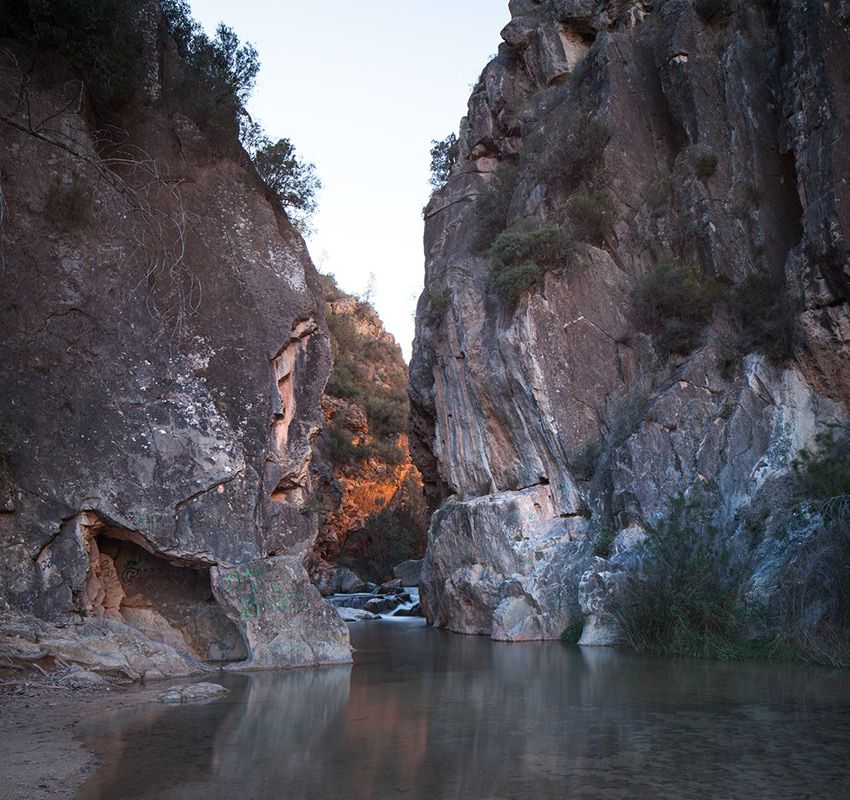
(429, 715)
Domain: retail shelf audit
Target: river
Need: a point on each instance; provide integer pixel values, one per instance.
(429, 715)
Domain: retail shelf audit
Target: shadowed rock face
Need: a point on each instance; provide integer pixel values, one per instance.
(164, 353)
(719, 146)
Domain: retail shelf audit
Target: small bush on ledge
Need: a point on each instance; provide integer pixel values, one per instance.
(592, 216)
(767, 316)
(490, 212)
(684, 601)
(521, 255)
(438, 304)
(673, 304)
(573, 156)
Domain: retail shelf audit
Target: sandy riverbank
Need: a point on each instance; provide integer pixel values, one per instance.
(41, 757)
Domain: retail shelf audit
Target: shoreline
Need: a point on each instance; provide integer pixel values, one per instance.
(41, 755)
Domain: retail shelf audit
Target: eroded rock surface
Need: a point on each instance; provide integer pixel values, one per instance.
(718, 144)
(163, 357)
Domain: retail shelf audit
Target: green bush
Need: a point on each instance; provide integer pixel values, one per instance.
(705, 165)
(444, 155)
(673, 304)
(521, 255)
(825, 473)
(68, 203)
(343, 450)
(220, 73)
(100, 39)
(290, 178)
(575, 153)
(592, 216)
(492, 206)
(683, 602)
(439, 301)
(714, 10)
(387, 414)
(766, 315)
(818, 575)
(602, 547)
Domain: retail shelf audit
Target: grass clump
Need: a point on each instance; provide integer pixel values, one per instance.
(592, 216)
(673, 304)
(766, 314)
(492, 206)
(602, 548)
(439, 301)
(658, 193)
(684, 600)
(819, 572)
(521, 255)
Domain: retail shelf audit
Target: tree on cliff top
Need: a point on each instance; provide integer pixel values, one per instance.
(291, 178)
(444, 156)
(226, 71)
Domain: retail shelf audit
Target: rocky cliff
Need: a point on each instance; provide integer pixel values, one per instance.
(368, 493)
(636, 290)
(164, 353)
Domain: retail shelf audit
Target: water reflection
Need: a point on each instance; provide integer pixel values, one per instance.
(426, 714)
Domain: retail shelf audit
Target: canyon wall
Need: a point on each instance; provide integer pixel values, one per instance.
(164, 354)
(549, 409)
(368, 494)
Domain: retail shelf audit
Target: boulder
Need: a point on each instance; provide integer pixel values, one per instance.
(191, 693)
(356, 614)
(282, 617)
(408, 572)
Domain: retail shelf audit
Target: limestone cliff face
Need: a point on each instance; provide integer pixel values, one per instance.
(164, 353)
(367, 490)
(690, 138)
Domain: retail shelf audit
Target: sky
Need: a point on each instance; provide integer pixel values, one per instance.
(361, 89)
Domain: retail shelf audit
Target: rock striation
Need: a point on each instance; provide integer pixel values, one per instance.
(667, 132)
(164, 353)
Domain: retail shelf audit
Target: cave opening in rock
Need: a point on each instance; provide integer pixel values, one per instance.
(169, 602)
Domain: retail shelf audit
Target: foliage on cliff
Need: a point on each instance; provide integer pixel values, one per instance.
(368, 372)
(376, 516)
(104, 43)
(687, 598)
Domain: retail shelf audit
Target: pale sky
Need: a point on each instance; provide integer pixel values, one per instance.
(361, 88)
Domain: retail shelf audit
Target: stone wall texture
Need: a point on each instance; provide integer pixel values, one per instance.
(163, 353)
(721, 143)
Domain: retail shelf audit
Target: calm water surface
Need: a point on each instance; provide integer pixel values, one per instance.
(428, 715)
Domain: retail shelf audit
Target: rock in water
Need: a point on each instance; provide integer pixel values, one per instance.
(561, 397)
(169, 354)
(408, 572)
(191, 693)
(356, 614)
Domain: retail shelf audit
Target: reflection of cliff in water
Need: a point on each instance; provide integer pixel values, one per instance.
(270, 727)
(425, 714)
